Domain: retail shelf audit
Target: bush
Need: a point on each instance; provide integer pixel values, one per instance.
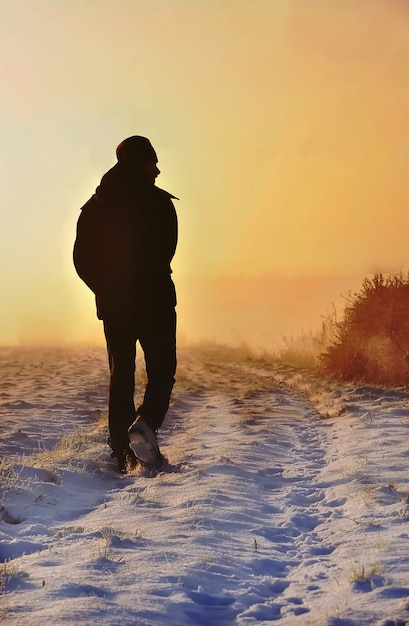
(371, 343)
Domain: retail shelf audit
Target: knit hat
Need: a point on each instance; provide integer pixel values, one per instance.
(135, 149)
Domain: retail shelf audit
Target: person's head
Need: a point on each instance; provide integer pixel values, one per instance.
(137, 151)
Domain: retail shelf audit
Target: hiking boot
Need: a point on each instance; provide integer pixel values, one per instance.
(143, 442)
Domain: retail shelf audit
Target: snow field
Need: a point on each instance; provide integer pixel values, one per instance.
(266, 511)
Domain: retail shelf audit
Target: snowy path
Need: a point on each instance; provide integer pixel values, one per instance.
(267, 513)
(262, 515)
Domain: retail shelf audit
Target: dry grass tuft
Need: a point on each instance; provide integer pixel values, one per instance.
(371, 343)
(304, 350)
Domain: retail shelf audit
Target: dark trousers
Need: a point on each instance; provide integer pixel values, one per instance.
(157, 338)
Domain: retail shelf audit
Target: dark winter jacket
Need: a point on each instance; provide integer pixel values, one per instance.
(126, 239)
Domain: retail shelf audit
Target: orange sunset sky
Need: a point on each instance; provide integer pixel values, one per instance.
(282, 126)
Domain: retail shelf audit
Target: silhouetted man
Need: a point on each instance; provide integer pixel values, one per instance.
(126, 239)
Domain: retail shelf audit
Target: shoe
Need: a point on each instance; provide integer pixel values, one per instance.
(143, 442)
(126, 459)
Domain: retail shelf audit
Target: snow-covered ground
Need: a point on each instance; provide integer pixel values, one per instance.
(285, 499)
